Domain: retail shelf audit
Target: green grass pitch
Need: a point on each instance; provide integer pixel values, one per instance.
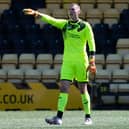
(105, 119)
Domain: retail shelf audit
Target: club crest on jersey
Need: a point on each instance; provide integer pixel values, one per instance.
(69, 27)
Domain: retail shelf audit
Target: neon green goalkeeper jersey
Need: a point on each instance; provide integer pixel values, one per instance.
(76, 36)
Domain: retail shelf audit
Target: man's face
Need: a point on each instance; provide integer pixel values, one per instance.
(74, 12)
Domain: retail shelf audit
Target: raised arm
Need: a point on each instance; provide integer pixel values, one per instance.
(59, 23)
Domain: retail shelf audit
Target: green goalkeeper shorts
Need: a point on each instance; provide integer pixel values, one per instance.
(75, 70)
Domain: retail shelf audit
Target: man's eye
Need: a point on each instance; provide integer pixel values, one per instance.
(72, 9)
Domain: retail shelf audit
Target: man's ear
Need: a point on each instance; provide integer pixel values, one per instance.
(79, 11)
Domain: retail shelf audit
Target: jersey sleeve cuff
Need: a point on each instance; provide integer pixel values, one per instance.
(92, 53)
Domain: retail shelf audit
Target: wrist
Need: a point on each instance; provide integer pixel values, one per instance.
(92, 61)
(36, 14)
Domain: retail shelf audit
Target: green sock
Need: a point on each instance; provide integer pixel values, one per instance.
(86, 102)
(62, 101)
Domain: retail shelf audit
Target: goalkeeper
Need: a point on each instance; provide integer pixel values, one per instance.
(76, 63)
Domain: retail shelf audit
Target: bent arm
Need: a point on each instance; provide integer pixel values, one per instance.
(92, 49)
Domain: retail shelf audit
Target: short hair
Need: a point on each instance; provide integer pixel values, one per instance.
(75, 4)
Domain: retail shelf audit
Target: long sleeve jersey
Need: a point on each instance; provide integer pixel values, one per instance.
(76, 36)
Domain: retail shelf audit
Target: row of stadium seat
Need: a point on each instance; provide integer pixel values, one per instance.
(95, 14)
(85, 8)
(88, 4)
(20, 4)
(26, 60)
(113, 95)
(107, 76)
(65, 3)
(110, 62)
(32, 38)
(52, 75)
(105, 13)
(101, 60)
(29, 75)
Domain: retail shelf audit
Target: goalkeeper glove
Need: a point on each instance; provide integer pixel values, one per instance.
(92, 67)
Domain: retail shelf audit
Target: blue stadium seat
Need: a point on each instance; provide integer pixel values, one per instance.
(19, 4)
(53, 37)
(102, 37)
(8, 17)
(25, 19)
(119, 31)
(35, 4)
(124, 18)
(15, 28)
(19, 45)
(32, 28)
(4, 45)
